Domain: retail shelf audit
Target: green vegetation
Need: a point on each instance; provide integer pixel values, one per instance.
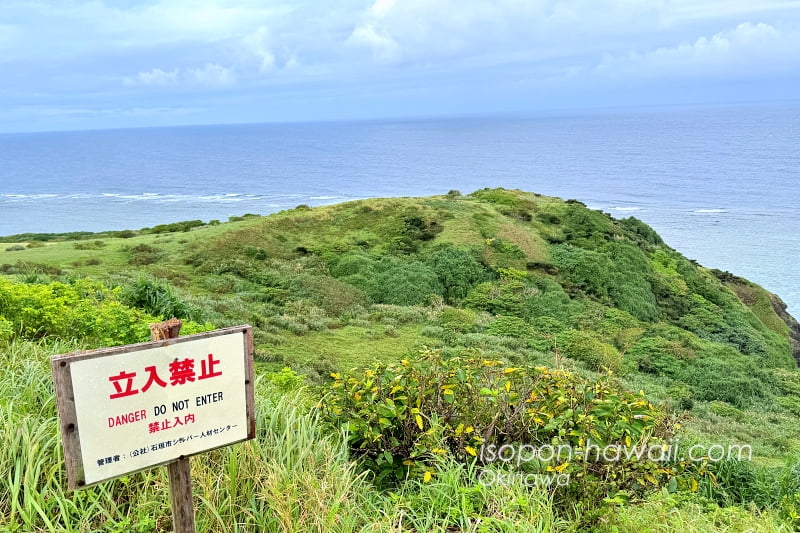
(396, 339)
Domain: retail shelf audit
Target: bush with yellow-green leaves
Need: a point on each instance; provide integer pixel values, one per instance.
(402, 417)
(79, 309)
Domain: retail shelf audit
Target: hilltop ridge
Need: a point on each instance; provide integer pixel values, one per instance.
(570, 256)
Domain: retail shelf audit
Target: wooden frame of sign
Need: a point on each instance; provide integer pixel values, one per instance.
(129, 408)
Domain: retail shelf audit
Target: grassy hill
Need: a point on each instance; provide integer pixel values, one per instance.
(529, 281)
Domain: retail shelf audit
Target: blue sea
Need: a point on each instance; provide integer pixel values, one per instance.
(720, 185)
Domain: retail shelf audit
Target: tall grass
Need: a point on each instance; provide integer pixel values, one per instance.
(455, 501)
(663, 514)
(292, 478)
(33, 495)
(295, 477)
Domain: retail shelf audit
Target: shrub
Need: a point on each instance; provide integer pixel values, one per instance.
(726, 409)
(27, 268)
(286, 380)
(15, 248)
(254, 252)
(681, 397)
(523, 215)
(505, 248)
(617, 273)
(6, 330)
(332, 295)
(176, 226)
(500, 196)
(629, 287)
(400, 283)
(549, 300)
(509, 326)
(515, 294)
(396, 314)
(158, 298)
(641, 232)
(90, 245)
(457, 320)
(351, 264)
(416, 228)
(586, 228)
(657, 355)
(83, 309)
(436, 332)
(143, 254)
(402, 418)
(298, 328)
(548, 218)
(721, 373)
(585, 270)
(585, 347)
(788, 381)
(790, 403)
(458, 271)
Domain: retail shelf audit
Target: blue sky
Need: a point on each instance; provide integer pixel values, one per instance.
(76, 64)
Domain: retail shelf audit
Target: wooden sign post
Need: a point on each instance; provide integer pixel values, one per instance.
(180, 473)
(129, 408)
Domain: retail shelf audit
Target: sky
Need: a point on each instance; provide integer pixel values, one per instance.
(93, 64)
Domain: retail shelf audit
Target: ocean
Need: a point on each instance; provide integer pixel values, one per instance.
(721, 185)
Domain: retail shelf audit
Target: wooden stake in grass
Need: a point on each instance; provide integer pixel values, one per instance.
(180, 476)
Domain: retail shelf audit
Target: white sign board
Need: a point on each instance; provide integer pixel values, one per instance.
(129, 408)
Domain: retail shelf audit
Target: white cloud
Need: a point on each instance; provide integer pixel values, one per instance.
(384, 48)
(262, 37)
(332, 50)
(155, 77)
(467, 33)
(425, 32)
(210, 75)
(257, 45)
(749, 48)
(78, 27)
(382, 7)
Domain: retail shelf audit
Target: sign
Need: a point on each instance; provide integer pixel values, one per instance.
(133, 407)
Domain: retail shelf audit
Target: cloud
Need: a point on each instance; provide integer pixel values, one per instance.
(257, 46)
(223, 51)
(210, 75)
(747, 49)
(100, 27)
(476, 32)
(470, 33)
(155, 77)
(383, 47)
